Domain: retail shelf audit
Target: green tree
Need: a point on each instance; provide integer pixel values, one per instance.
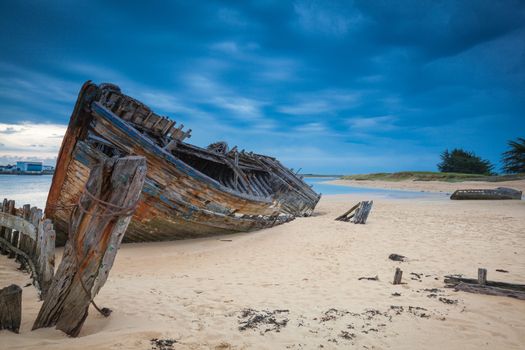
(461, 161)
(514, 159)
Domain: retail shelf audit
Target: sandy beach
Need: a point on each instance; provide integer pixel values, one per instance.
(430, 186)
(306, 274)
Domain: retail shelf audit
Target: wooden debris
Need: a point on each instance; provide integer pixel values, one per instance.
(11, 308)
(31, 240)
(362, 210)
(498, 193)
(397, 257)
(397, 276)
(472, 285)
(97, 229)
(488, 290)
(375, 278)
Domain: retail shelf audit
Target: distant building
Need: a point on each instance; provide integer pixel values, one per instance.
(48, 169)
(29, 167)
(7, 169)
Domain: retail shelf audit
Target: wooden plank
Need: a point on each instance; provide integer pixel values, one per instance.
(18, 223)
(97, 231)
(489, 290)
(11, 308)
(453, 280)
(346, 213)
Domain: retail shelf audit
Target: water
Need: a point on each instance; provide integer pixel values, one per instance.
(33, 189)
(320, 186)
(26, 189)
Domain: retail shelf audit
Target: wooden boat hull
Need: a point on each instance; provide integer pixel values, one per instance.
(177, 201)
(487, 194)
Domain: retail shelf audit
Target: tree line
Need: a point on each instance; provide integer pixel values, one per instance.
(461, 161)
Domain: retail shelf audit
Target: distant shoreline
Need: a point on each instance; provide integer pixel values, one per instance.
(32, 174)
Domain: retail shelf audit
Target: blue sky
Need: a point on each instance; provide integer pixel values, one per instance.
(327, 86)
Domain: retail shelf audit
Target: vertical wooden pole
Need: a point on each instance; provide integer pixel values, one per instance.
(46, 256)
(398, 275)
(482, 276)
(97, 231)
(11, 308)
(8, 208)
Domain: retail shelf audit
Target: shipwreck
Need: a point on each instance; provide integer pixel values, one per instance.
(189, 191)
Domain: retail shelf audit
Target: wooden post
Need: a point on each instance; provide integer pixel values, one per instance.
(97, 230)
(398, 275)
(482, 276)
(46, 255)
(5, 232)
(11, 308)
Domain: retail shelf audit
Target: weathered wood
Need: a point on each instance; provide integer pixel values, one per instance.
(357, 214)
(97, 231)
(46, 255)
(18, 224)
(397, 276)
(498, 193)
(361, 213)
(489, 290)
(482, 276)
(346, 216)
(182, 180)
(11, 308)
(453, 280)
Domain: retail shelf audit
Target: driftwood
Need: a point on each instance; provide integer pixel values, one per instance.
(97, 229)
(484, 289)
(362, 209)
(498, 193)
(11, 308)
(483, 286)
(397, 257)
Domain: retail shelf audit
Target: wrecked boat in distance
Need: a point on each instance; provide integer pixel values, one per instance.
(189, 191)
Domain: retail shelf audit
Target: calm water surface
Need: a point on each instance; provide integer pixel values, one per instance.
(25, 189)
(320, 186)
(33, 189)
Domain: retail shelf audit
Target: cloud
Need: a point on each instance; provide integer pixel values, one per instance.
(9, 130)
(347, 77)
(320, 102)
(21, 142)
(327, 18)
(372, 124)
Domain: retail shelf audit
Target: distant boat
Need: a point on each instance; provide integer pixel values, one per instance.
(189, 191)
(498, 193)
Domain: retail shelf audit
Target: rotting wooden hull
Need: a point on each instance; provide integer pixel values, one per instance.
(499, 193)
(189, 192)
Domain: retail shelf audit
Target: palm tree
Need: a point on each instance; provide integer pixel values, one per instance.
(514, 159)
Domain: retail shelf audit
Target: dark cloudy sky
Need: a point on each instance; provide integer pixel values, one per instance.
(328, 86)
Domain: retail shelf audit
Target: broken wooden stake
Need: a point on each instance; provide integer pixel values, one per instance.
(398, 275)
(96, 231)
(11, 308)
(482, 276)
(362, 209)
